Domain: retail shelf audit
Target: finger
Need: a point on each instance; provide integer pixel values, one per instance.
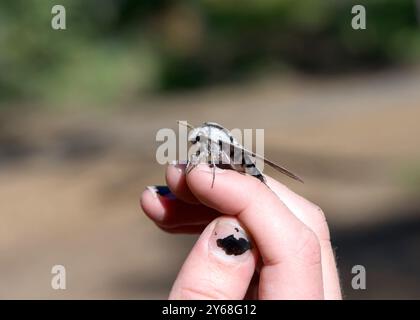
(252, 292)
(176, 181)
(184, 229)
(312, 215)
(220, 265)
(168, 212)
(307, 212)
(289, 249)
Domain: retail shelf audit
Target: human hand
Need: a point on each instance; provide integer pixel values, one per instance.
(253, 243)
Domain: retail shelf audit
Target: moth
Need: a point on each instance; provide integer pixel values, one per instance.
(218, 147)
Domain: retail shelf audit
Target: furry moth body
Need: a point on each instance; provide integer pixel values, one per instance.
(217, 146)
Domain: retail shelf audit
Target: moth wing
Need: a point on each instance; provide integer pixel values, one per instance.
(281, 169)
(225, 158)
(267, 161)
(185, 124)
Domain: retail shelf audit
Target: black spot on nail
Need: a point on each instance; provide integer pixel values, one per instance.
(233, 246)
(236, 229)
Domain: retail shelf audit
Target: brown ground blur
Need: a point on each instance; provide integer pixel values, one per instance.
(70, 183)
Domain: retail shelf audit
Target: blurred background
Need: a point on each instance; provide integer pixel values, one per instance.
(80, 108)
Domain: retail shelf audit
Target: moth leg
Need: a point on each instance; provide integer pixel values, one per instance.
(195, 160)
(192, 163)
(213, 166)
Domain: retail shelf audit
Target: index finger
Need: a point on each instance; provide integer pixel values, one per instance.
(289, 249)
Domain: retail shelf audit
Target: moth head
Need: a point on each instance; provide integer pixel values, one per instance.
(194, 135)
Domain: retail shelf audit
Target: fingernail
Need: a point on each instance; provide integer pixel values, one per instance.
(162, 191)
(179, 165)
(229, 241)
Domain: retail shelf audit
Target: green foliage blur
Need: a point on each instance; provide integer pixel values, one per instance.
(118, 50)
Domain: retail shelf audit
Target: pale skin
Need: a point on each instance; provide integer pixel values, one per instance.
(291, 255)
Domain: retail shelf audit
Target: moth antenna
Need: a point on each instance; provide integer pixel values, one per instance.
(185, 124)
